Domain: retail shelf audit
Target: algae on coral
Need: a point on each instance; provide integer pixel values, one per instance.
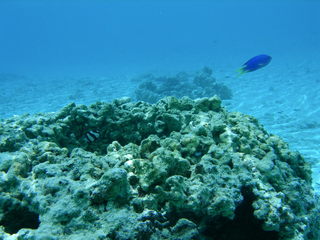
(177, 169)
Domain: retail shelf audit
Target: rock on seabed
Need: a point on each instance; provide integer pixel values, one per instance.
(178, 169)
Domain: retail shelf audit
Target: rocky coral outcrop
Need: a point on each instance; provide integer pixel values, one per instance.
(200, 84)
(177, 169)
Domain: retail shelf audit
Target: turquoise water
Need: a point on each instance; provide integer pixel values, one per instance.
(54, 52)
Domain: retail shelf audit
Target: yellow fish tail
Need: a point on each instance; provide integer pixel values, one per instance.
(241, 71)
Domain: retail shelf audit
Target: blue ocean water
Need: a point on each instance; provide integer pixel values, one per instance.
(60, 38)
(55, 52)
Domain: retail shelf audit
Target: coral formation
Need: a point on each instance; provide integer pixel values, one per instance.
(200, 84)
(179, 169)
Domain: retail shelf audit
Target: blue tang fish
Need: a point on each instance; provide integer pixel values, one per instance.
(255, 63)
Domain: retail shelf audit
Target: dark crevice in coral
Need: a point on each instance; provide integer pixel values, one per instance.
(173, 216)
(243, 227)
(29, 134)
(230, 164)
(18, 218)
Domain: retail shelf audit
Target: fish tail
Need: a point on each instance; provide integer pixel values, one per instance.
(241, 71)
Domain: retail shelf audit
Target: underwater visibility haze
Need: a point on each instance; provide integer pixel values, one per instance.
(160, 119)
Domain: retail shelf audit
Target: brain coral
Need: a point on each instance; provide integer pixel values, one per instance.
(178, 169)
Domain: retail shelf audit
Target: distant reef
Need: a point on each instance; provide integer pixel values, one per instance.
(180, 169)
(200, 84)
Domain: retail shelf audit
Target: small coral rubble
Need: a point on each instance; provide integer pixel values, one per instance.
(178, 169)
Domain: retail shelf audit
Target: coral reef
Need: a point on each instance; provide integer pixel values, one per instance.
(179, 169)
(200, 84)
